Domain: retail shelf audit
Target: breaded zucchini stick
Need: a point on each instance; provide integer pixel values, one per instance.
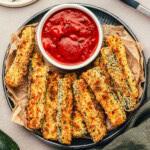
(91, 116)
(78, 125)
(105, 96)
(36, 92)
(19, 67)
(64, 111)
(120, 52)
(120, 82)
(51, 101)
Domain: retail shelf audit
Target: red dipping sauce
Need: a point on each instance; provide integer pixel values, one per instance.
(70, 36)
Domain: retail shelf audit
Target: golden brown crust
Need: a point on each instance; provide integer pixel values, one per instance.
(36, 91)
(105, 96)
(19, 67)
(91, 116)
(49, 127)
(79, 128)
(78, 125)
(119, 80)
(64, 111)
(119, 49)
(72, 76)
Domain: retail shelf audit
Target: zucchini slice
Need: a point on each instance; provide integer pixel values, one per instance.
(64, 111)
(119, 80)
(36, 91)
(119, 50)
(104, 95)
(50, 125)
(78, 125)
(19, 67)
(91, 116)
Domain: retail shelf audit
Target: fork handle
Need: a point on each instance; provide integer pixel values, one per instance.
(138, 6)
(132, 3)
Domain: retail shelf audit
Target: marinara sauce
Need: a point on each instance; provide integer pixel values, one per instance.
(70, 36)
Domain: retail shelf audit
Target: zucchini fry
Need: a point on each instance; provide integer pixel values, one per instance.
(78, 125)
(64, 111)
(104, 95)
(19, 67)
(91, 116)
(120, 83)
(36, 92)
(120, 52)
(51, 101)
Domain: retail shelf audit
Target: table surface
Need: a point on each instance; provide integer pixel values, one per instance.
(12, 18)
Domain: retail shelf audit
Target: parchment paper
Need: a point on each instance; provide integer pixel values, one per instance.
(19, 95)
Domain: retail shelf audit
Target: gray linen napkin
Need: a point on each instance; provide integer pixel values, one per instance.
(137, 134)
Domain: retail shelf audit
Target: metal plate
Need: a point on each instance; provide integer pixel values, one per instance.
(104, 17)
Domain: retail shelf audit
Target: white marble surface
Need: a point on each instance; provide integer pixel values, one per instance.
(12, 18)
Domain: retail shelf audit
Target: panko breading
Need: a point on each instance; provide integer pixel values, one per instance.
(120, 52)
(78, 125)
(36, 92)
(104, 95)
(19, 67)
(97, 105)
(120, 82)
(72, 76)
(64, 111)
(94, 124)
(99, 62)
(51, 101)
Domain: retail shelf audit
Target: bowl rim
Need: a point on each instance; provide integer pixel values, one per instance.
(88, 12)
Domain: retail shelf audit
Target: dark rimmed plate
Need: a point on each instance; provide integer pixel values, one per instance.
(105, 17)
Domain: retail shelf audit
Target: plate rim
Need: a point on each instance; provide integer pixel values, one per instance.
(17, 4)
(119, 131)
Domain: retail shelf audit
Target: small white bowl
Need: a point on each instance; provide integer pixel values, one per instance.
(87, 11)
